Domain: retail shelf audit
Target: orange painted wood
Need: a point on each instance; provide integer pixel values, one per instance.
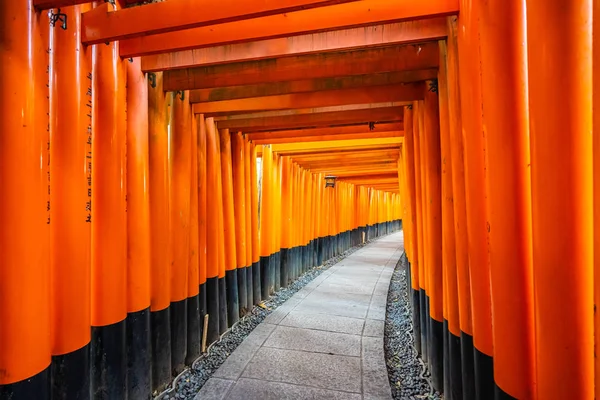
(344, 39)
(562, 187)
(350, 136)
(338, 130)
(321, 119)
(48, 4)
(25, 346)
(310, 85)
(313, 110)
(378, 94)
(347, 155)
(100, 26)
(361, 13)
(359, 62)
(504, 87)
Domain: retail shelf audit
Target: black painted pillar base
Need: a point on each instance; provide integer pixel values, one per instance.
(265, 275)
(242, 287)
(233, 298)
(222, 305)
(202, 309)
(36, 387)
(424, 318)
(70, 377)
(256, 282)
(178, 336)
(456, 387)
(249, 288)
(284, 276)
(109, 362)
(416, 319)
(484, 375)
(277, 269)
(446, 361)
(160, 323)
(437, 354)
(139, 356)
(467, 361)
(193, 329)
(212, 307)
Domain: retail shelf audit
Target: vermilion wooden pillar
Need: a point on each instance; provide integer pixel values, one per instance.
(475, 190)
(505, 118)
(559, 35)
(139, 357)
(25, 342)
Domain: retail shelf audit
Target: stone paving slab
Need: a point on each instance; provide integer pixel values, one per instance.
(251, 389)
(326, 342)
(331, 323)
(318, 341)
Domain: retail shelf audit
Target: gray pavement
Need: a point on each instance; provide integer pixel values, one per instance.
(326, 342)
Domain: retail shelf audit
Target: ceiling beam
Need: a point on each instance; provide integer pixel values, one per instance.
(402, 93)
(339, 40)
(310, 85)
(349, 15)
(349, 136)
(341, 174)
(327, 65)
(341, 149)
(348, 164)
(313, 110)
(353, 155)
(335, 144)
(101, 26)
(386, 114)
(338, 130)
(352, 179)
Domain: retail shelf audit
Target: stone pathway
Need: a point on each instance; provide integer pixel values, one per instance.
(325, 342)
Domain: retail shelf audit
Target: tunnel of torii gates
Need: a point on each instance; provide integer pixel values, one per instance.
(162, 171)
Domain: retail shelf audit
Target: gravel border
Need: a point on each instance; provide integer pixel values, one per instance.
(408, 374)
(187, 384)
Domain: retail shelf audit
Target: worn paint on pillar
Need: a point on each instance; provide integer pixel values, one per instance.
(561, 146)
(139, 358)
(25, 342)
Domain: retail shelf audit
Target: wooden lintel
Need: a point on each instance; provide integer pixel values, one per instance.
(403, 94)
(396, 33)
(177, 15)
(327, 65)
(348, 136)
(388, 114)
(338, 130)
(355, 14)
(310, 85)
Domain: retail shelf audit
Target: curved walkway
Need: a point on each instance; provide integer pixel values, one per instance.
(326, 342)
